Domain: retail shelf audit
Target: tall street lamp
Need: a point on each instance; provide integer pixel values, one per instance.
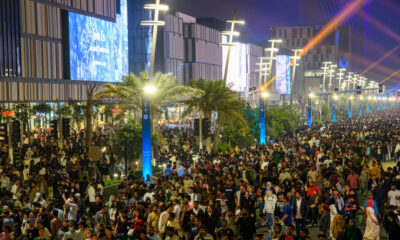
(350, 98)
(323, 85)
(232, 33)
(335, 98)
(262, 96)
(340, 76)
(311, 96)
(146, 105)
(295, 58)
(331, 75)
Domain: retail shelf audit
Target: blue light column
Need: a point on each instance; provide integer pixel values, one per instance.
(262, 121)
(367, 107)
(334, 112)
(349, 108)
(309, 112)
(360, 108)
(146, 138)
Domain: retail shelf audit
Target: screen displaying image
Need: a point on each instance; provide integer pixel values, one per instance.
(283, 74)
(98, 48)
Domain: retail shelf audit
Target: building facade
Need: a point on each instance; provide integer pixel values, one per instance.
(34, 54)
(321, 11)
(335, 48)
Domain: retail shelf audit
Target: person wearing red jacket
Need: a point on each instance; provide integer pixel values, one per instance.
(311, 188)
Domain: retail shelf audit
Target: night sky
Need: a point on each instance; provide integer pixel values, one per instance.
(260, 15)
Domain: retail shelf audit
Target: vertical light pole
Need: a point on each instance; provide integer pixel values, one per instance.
(331, 75)
(295, 58)
(232, 33)
(262, 96)
(271, 52)
(340, 76)
(325, 68)
(265, 70)
(309, 108)
(146, 104)
(335, 98)
(323, 86)
(360, 109)
(350, 98)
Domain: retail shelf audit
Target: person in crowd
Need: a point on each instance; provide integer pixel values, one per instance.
(337, 229)
(372, 229)
(222, 194)
(352, 232)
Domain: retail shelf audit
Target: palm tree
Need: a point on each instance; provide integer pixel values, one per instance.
(128, 94)
(90, 93)
(216, 98)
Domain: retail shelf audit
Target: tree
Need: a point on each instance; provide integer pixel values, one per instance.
(216, 98)
(326, 114)
(41, 108)
(130, 136)
(128, 94)
(280, 120)
(90, 92)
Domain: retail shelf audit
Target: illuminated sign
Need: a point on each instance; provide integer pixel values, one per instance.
(283, 74)
(98, 48)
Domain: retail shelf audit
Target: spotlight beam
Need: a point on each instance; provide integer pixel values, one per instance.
(381, 59)
(390, 76)
(331, 26)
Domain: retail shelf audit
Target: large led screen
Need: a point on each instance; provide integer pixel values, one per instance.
(98, 48)
(237, 69)
(283, 74)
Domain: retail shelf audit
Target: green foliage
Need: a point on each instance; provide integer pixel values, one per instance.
(128, 94)
(111, 182)
(222, 147)
(41, 108)
(23, 112)
(218, 98)
(130, 135)
(316, 121)
(252, 116)
(326, 114)
(242, 133)
(281, 118)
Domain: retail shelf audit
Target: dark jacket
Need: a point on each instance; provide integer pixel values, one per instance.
(303, 208)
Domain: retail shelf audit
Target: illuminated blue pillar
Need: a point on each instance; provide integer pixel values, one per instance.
(349, 108)
(367, 107)
(262, 121)
(334, 112)
(309, 112)
(360, 108)
(146, 138)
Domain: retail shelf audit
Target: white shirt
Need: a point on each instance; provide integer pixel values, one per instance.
(162, 222)
(393, 195)
(177, 210)
(298, 212)
(91, 194)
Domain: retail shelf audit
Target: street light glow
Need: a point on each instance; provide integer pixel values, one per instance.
(351, 97)
(264, 94)
(311, 95)
(160, 7)
(149, 89)
(335, 96)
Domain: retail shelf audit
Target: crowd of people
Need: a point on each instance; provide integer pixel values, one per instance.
(321, 183)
